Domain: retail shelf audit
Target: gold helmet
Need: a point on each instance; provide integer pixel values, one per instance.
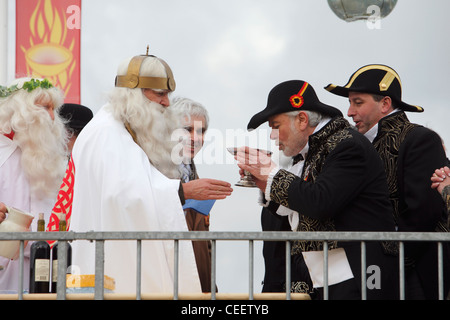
(133, 79)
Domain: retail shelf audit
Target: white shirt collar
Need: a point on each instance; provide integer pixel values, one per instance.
(321, 124)
(372, 133)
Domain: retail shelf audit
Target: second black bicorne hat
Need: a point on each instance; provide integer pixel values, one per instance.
(375, 79)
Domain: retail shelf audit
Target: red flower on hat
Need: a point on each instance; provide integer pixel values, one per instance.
(297, 99)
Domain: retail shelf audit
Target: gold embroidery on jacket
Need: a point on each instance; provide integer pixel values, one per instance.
(392, 132)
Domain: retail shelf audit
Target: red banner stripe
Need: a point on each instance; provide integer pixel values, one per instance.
(64, 200)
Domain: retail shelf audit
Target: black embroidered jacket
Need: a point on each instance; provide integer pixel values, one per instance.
(410, 154)
(342, 188)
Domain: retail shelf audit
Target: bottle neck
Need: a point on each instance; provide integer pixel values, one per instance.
(41, 222)
(62, 225)
(41, 225)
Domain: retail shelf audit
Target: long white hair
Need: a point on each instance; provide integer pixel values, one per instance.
(151, 122)
(43, 141)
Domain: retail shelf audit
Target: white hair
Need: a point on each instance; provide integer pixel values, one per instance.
(184, 107)
(43, 141)
(314, 118)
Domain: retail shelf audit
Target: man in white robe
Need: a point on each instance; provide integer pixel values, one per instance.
(33, 157)
(125, 180)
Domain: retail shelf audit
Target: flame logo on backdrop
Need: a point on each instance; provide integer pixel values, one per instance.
(45, 47)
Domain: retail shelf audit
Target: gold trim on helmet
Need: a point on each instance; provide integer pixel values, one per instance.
(133, 80)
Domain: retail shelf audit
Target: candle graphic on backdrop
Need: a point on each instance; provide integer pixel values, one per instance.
(47, 46)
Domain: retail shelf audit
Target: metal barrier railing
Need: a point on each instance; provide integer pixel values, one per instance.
(100, 237)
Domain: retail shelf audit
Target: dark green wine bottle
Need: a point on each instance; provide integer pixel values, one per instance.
(40, 262)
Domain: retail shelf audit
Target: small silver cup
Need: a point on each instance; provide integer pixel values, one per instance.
(247, 179)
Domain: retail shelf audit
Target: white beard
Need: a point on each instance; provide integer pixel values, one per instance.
(153, 135)
(152, 125)
(44, 153)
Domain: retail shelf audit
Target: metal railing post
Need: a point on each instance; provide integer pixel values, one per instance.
(288, 270)
(213, 269)
(175, 270)
(138, 268)
(325, 270)
(99, 269)
(440, 271)
(401, 256)
(250, 270)
(62, 270)
(363, 272)
(21, 266)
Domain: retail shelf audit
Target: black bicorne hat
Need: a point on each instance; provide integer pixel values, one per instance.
(293, 95)
(77, 115)
(375, 79)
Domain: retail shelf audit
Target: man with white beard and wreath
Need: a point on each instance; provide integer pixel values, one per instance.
(33, 159)
(125, 180)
